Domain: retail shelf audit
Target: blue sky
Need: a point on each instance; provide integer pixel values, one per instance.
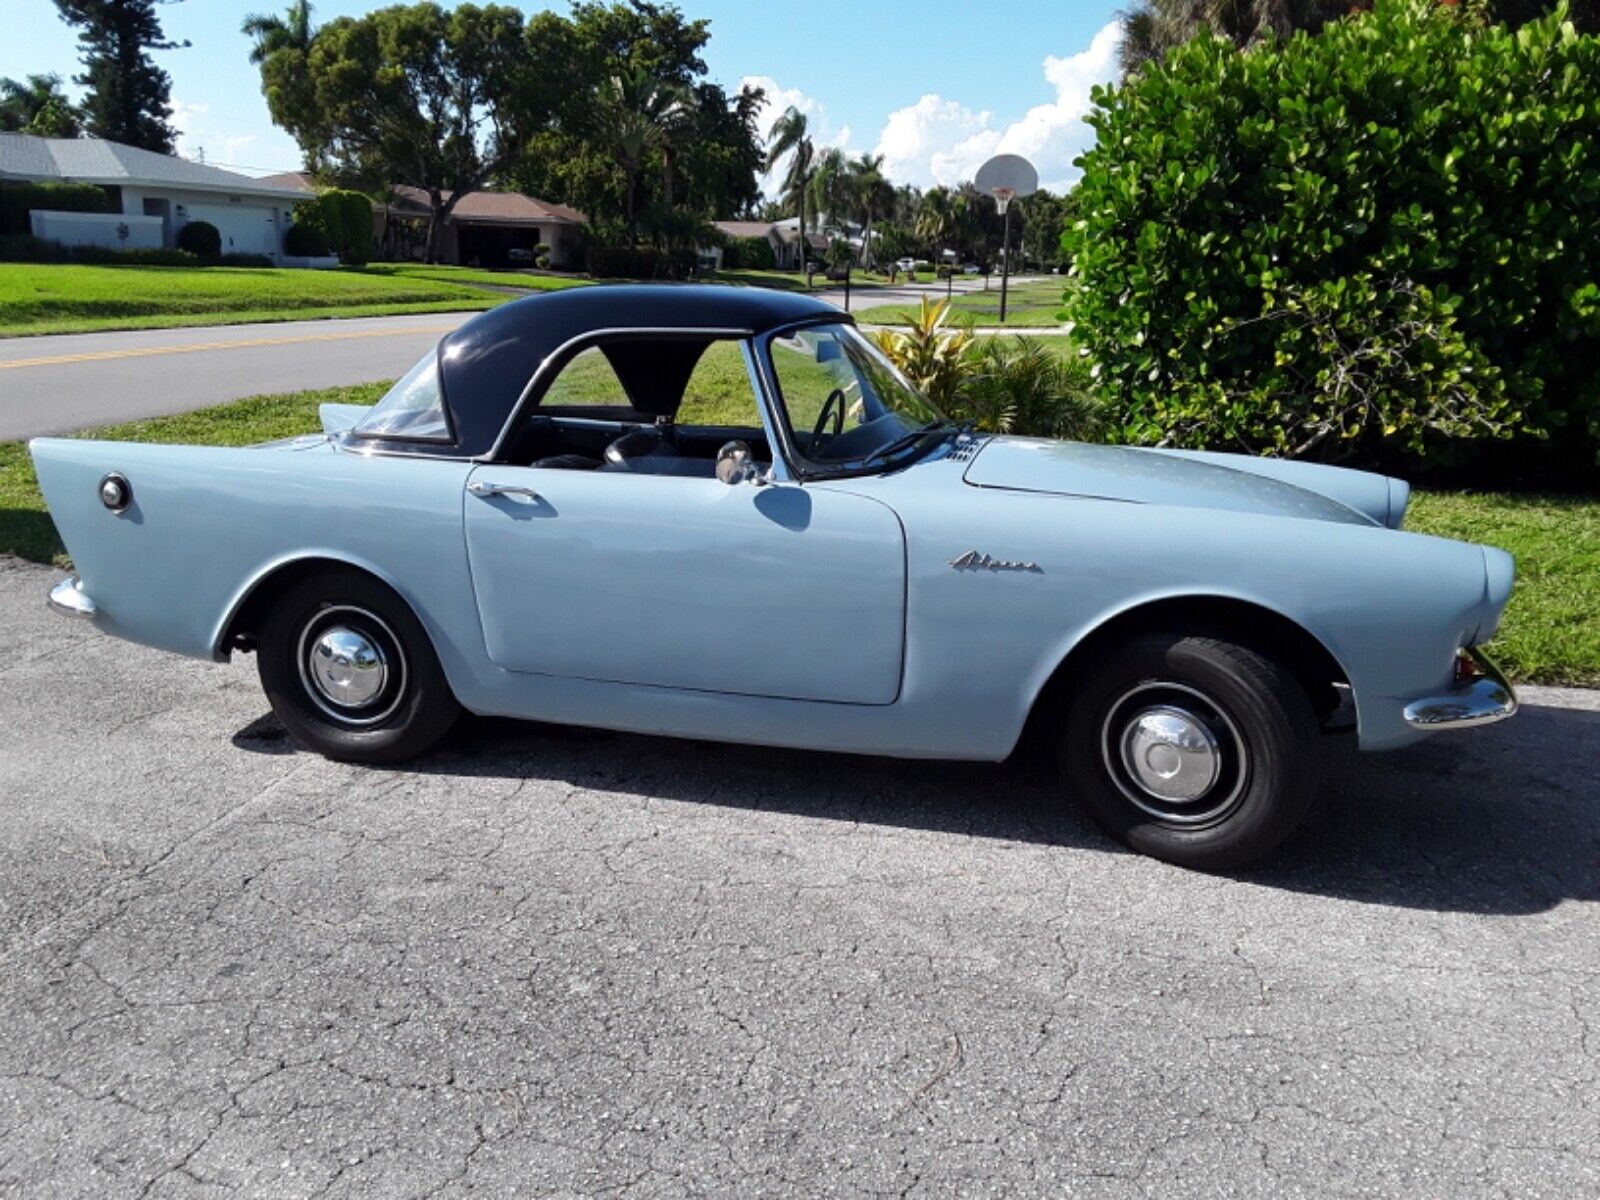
(936, 86)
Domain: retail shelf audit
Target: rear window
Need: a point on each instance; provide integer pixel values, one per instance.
(413, 409)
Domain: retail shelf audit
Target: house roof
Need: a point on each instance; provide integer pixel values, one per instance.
(95, 160)
(496, 208)
(744, 229)
(295, 181)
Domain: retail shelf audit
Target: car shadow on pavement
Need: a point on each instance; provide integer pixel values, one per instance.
(1503, 820)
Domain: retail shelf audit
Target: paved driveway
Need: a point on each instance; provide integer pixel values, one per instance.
(547, 961)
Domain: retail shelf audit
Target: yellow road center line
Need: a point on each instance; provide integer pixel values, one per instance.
(194, 347)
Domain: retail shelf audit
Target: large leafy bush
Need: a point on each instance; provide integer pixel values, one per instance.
(17, 200)
(1383, 237)
(343, 219)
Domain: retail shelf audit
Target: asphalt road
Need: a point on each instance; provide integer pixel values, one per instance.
(58, 384)
(548, 961)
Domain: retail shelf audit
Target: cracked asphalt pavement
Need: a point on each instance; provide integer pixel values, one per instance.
(545, 961)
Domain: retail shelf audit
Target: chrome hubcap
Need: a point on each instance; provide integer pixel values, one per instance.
(346, 668)
(1171, 753)
(1174, 753)
(352, 665)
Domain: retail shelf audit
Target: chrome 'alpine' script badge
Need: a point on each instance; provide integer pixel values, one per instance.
(973, 561)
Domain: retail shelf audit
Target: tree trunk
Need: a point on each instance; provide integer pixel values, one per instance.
(633, 225)
(800, 244)
(436, 215)
(666, 175)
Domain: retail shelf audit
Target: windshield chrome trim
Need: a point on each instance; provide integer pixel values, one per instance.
(552, 363)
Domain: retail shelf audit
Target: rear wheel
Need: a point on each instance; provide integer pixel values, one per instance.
(1191, 749)
(350, 671)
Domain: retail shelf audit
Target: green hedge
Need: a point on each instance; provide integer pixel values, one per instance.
(343, 219)
(748, 254)
(1378, 241)
(639, 262)
(17, 200)
(201, 238)
(304, 241)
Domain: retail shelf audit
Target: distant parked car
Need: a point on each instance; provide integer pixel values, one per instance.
(971, 269)
(908, 265)
(842, 569)
(518, 256)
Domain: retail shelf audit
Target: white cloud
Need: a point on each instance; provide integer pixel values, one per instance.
(942, 141)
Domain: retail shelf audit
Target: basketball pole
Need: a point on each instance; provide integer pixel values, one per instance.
(1005, 262)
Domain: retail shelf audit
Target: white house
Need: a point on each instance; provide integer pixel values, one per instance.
(152, 196)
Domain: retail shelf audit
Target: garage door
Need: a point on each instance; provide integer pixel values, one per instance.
(245, 229)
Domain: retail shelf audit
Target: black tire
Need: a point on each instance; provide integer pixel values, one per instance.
(411, 710)
(1199, 708)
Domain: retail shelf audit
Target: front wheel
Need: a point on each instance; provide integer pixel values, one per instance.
(1191, 749)
(350, 671)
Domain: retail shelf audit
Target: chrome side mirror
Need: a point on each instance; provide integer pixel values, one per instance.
(735, 465)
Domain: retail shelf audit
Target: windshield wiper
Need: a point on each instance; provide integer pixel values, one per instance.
(906, 441)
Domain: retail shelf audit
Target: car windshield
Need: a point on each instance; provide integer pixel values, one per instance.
(413, 409)
(844, 402)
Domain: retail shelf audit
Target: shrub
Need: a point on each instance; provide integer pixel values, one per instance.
(200, 237)
(304, 241)
(1379, 236)
(1017, 385)
(749, 254)
(17, 200)
(38, 250)
(627, 262)
(930, 352)
(343, 219)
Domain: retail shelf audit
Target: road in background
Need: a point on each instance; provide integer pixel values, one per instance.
(67, 382)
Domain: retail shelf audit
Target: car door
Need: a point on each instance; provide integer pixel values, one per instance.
(686, 582)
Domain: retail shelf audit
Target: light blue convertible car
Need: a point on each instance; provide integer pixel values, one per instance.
(721, 513)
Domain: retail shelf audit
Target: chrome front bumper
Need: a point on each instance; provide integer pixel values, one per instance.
(1482, 699)
(69, 597)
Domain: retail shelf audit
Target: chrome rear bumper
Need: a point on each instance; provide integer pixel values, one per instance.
(1481, 699)
(69, 597)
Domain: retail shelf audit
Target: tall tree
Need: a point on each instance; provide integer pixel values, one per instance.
(874, 197)
(832, 188)
(38, 106)
(640, 114)
(129, 98)
(411, 95)
(789, 139)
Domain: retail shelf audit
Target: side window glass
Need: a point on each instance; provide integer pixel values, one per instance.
(718, 392)
(586, 381)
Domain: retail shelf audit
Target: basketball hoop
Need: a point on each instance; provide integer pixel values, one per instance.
(1005, 177)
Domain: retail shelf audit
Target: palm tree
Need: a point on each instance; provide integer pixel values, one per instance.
(874, 197)
(1152, 27)
(38, 106)
(936, 219)
(832, 190)
(788, 136)
(639, 110)
(292, 31)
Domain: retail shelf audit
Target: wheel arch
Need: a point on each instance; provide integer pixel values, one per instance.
(1249, 622)
(238, 628)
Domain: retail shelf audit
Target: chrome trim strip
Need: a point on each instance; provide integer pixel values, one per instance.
(69, 598)
(1481, 702)
(552, 363)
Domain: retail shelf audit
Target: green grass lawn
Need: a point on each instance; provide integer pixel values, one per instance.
(1551, 632)
(1027, 304)
(795, 281)
(69, 298)
(441, 273)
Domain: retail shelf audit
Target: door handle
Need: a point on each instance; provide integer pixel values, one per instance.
(479, 487)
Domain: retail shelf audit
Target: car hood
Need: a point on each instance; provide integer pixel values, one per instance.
(1146, 477)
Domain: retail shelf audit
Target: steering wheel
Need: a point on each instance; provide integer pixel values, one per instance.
(834, 404)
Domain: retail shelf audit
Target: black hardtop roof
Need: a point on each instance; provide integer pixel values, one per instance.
(486, 363)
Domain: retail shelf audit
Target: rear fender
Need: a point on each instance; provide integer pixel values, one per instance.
(206, 523)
